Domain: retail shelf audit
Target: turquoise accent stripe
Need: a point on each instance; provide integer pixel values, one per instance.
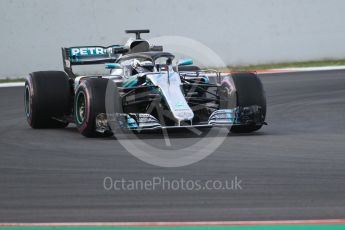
(130, 82)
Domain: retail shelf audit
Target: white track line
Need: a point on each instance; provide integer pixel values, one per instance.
(306, 69)
(11, 84)
(301, 69)
(198, 223)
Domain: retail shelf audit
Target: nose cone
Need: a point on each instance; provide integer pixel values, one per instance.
(172, 93)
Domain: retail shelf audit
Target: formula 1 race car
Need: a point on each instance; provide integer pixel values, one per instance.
(145, 89)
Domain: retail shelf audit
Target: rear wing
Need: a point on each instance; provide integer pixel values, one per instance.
(89, 55)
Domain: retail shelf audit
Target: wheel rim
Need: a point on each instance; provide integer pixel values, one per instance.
(27, 101)
(80, 108)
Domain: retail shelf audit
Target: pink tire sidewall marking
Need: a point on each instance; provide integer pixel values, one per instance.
(87, 107)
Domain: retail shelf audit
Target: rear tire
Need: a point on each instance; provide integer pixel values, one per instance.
(89, 102)
(47, 99)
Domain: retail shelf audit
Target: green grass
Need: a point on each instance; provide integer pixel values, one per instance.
(287, 65)
(7, 80)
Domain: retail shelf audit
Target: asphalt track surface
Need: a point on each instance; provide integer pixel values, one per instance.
(294, 168)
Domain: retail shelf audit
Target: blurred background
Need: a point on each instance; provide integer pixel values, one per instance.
(240, 32)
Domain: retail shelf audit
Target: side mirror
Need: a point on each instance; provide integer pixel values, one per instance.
(119, 50)
(112, 66)
(186, 61)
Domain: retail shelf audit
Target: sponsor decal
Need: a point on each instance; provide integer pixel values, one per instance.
(88, 51)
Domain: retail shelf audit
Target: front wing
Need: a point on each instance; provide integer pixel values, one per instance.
(239, 116)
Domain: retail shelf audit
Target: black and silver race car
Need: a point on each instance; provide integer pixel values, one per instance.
(145, 89)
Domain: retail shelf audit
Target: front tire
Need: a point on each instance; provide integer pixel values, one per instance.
(249, 92)
(89, 102)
